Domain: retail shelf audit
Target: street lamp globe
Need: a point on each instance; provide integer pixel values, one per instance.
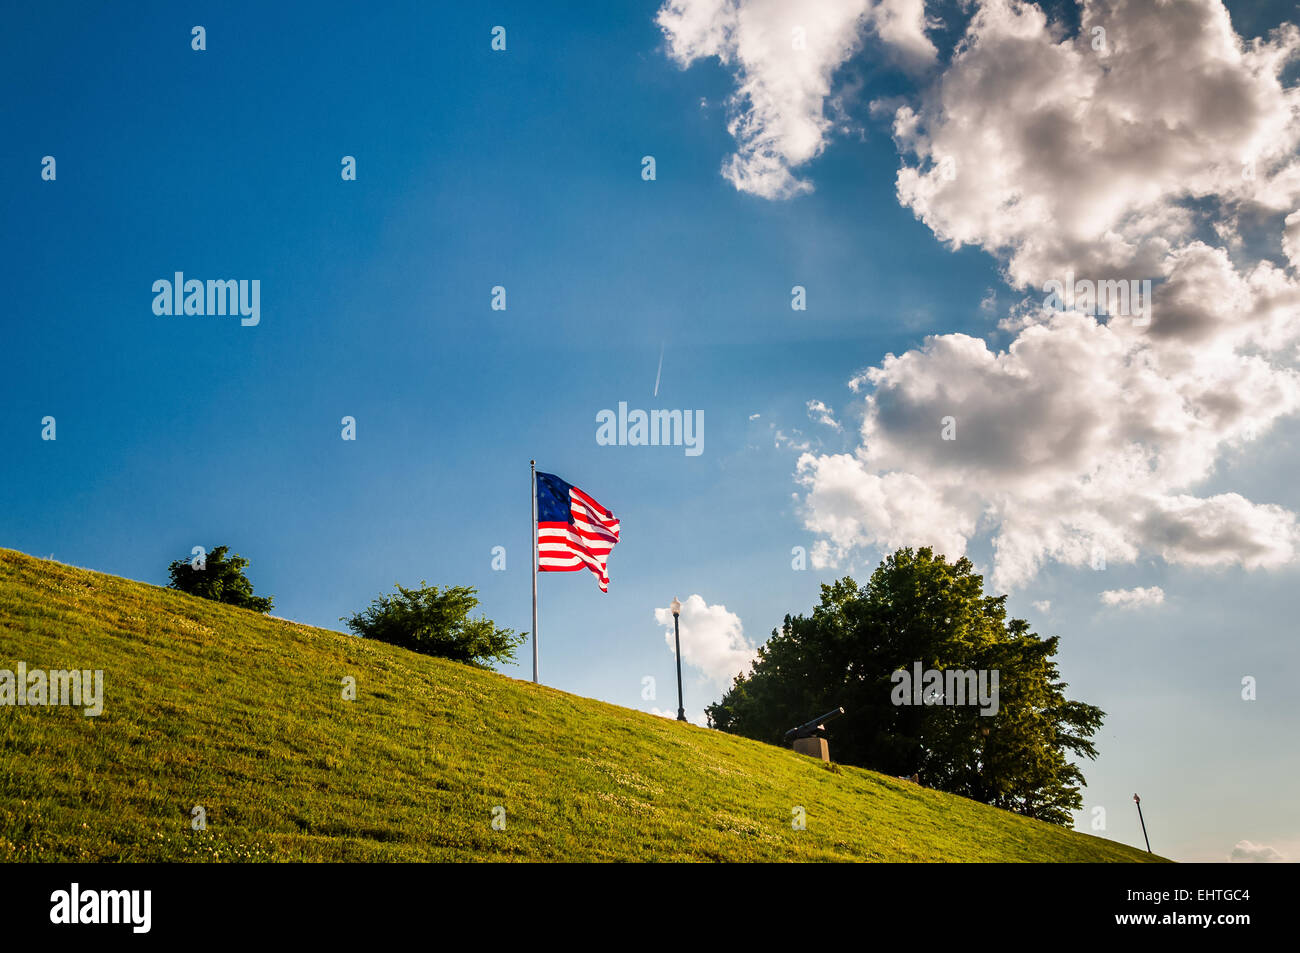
(676, 606)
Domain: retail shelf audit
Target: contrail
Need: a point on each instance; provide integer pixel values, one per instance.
(661, 369)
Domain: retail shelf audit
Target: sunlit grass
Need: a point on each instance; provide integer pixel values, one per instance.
(244, 715)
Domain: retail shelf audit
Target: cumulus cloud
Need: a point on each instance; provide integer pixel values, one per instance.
(1133, 598)
(1090, 431)
(713, 640)
(1244, 852)
(850, 506)
(1044, 606)
(1072, 440)
(784, 57)
(1291, 239)
(1066, 155)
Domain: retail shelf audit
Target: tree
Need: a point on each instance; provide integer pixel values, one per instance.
(215, 577)
(436, 623)
(918, 607)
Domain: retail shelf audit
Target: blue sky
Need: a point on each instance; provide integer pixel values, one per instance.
(523, 169)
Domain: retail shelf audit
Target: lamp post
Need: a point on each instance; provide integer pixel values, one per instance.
(677, 634)
(1138, 801)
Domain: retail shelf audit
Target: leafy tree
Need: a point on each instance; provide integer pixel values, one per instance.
(218, 578)
(431, 622)
(918, 607)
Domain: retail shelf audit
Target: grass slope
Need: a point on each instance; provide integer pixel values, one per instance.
(243, 714)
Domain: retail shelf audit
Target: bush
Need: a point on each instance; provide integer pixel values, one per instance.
(219, 579)
(436, 623)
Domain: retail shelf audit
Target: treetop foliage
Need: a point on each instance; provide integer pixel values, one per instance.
(918, 607)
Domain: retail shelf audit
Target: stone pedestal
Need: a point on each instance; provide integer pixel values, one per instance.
(813, 747)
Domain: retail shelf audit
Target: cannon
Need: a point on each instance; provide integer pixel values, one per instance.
(813, 728)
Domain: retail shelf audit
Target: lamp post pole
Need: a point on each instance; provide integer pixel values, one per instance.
(1138, 801)
(677, 634)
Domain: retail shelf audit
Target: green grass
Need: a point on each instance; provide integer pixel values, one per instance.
(243, 714)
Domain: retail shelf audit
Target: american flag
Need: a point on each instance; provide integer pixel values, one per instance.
(573, 530)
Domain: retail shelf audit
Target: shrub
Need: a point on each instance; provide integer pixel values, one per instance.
(219, 579)
(437, 623)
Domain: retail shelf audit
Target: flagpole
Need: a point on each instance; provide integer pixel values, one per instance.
(533, 484)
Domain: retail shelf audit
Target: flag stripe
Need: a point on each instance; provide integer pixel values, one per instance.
(583, 539)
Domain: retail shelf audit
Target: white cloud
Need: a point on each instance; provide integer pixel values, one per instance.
(1244, 852)
(820, 413)
(1133, 598)
(713, 640)
(851, 507)
(1291, 239)
(1044, 606)
(1090, 433)
(784, 56)
(793, 440)
(1069, 157)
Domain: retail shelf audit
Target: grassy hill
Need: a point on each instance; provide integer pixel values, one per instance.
(243, 714)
